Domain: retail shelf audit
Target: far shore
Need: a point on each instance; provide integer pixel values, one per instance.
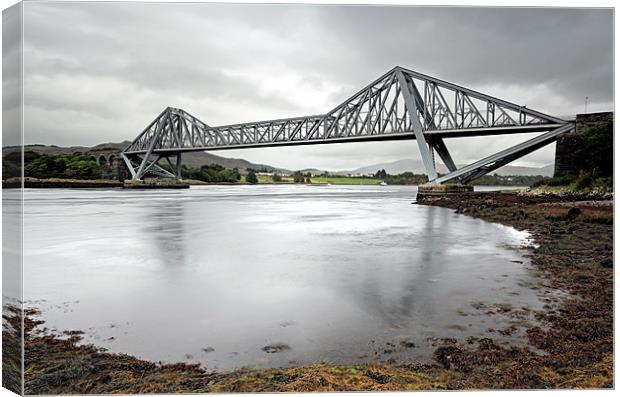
(62, 183)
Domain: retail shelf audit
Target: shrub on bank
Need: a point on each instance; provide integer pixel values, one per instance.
(212, 173)
(251, 178)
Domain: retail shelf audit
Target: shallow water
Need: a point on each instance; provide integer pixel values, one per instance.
(214, 274)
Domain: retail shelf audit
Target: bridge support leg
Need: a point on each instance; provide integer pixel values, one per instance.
(410, 103)
(178, 173)
(139, 166)
(481, 167)
(130, 167)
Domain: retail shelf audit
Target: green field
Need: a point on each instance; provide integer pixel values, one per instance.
(346, 180)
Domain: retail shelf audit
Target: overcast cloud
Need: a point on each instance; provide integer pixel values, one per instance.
(100, 72)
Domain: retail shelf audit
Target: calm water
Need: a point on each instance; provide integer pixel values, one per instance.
(214, 274)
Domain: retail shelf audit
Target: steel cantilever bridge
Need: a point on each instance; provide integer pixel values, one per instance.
(401, 104)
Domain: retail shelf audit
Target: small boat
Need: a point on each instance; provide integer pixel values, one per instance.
(383, 183)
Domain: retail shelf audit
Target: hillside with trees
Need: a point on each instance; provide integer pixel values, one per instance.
(44, 166)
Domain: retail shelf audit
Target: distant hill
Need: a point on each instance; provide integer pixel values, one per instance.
(417, 167)
(191, 159)
(313, 171)
(197, 159)
(393, 167)
(57, 150)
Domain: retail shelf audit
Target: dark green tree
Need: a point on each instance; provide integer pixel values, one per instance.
(236, 174)
(10, 169)
(80, 167)
(251, 178)
(298, 177)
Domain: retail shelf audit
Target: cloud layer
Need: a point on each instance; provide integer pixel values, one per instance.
(97, 72)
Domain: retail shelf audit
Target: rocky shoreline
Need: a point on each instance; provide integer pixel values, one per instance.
(574, 349)
(574, 237)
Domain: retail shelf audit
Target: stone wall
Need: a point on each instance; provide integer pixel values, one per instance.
(566, 145)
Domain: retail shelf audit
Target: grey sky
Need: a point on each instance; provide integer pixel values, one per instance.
(98, 72)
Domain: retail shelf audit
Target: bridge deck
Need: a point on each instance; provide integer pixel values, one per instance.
(406, 135)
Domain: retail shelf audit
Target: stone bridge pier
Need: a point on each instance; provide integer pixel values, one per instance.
(111, 163)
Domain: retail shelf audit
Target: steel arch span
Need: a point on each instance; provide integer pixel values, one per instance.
(401, 104)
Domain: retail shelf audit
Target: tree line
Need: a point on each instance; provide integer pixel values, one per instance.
(44, 166)
(213, 173)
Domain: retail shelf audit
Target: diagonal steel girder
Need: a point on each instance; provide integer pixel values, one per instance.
(469, 172)
(400, 105)
(408, 92)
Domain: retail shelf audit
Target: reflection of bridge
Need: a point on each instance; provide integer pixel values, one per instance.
(401, 104)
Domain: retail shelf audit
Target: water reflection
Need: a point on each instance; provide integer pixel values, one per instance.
(165, 226)
(214, 274)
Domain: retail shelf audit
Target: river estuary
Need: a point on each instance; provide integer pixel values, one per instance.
(267, 276)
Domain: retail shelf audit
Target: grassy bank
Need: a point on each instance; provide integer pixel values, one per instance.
(574, 253)
(266, 179)
(346, 180)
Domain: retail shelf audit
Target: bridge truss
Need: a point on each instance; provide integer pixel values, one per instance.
(401, 104)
